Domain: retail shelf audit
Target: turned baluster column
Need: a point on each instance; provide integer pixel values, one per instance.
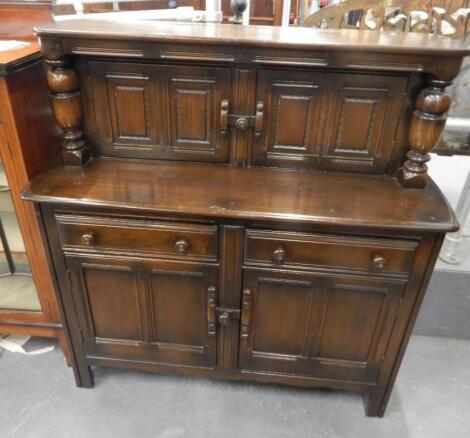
(67, 109)
(427, 124)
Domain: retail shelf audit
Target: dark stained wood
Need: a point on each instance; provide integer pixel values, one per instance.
(188, 129)
(257, 36)
(298, 250)
(315, 198)
(67, 109)
(342, 324)
(354, 130)
(427, 124)
(162, 306)
(241, 215)
(91, 234)
(230, 278)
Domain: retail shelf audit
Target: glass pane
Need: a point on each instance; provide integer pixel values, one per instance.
(17, 289)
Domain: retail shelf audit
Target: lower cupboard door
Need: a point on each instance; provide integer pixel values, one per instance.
(316, 325)
(162, 312)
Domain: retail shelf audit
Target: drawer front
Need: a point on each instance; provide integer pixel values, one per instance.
(302, 250)
(137, 236)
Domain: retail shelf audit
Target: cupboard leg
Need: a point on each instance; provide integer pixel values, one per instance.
(65, 348)
(83, 376)
(375, 402)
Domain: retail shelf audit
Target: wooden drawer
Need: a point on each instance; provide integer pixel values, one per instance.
(105, 234)
(302, 250)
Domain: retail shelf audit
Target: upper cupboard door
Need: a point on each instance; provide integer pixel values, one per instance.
(128, 103)
(164, 112)
(194, 98)
(294, 108)
(362, 125)
(335, 121)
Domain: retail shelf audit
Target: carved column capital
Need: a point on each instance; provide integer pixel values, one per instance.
(67, 109)
(427, 124)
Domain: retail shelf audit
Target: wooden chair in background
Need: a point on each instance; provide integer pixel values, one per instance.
(445, 17)
(449, 18)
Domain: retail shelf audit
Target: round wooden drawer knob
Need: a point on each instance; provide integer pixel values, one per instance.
(279, 255)
(378, 262)
(88, 239)
(181, 246)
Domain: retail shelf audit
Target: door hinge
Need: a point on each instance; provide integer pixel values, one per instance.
(82, 338)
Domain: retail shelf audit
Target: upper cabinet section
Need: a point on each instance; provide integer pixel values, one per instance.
(162, 112)
(368, 102)
(301, 119)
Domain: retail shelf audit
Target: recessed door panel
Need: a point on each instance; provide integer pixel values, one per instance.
(128, 102)
(350, 322)
(365, 111)
(195, 97)
(113, 302)
(179, 308)
(278, 303)
(293, 111)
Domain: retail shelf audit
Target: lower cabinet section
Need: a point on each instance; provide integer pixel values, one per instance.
(157, 311)
(296, 308)
(328, 326)
(323, 325)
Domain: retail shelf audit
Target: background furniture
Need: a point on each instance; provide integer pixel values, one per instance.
(266, 12)
(433, 16)
(437, 16)
(28, 143)
(189, 229)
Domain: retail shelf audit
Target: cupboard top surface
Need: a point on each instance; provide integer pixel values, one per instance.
(317, 198)
(258, 36)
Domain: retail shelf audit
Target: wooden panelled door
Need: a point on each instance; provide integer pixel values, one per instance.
(342, 122)
(320, 325)
(162, 311)
(294, 109)
(158, 111)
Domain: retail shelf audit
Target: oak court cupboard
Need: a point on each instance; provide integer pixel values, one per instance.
(244, 202)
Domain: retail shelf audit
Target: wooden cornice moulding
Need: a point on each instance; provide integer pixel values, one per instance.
(261, 44)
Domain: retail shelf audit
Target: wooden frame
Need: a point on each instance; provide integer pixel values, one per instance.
(28, 141)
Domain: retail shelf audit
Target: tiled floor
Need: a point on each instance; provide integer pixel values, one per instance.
(39, 400)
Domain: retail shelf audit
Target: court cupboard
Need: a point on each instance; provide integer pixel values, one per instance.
(244, 202)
